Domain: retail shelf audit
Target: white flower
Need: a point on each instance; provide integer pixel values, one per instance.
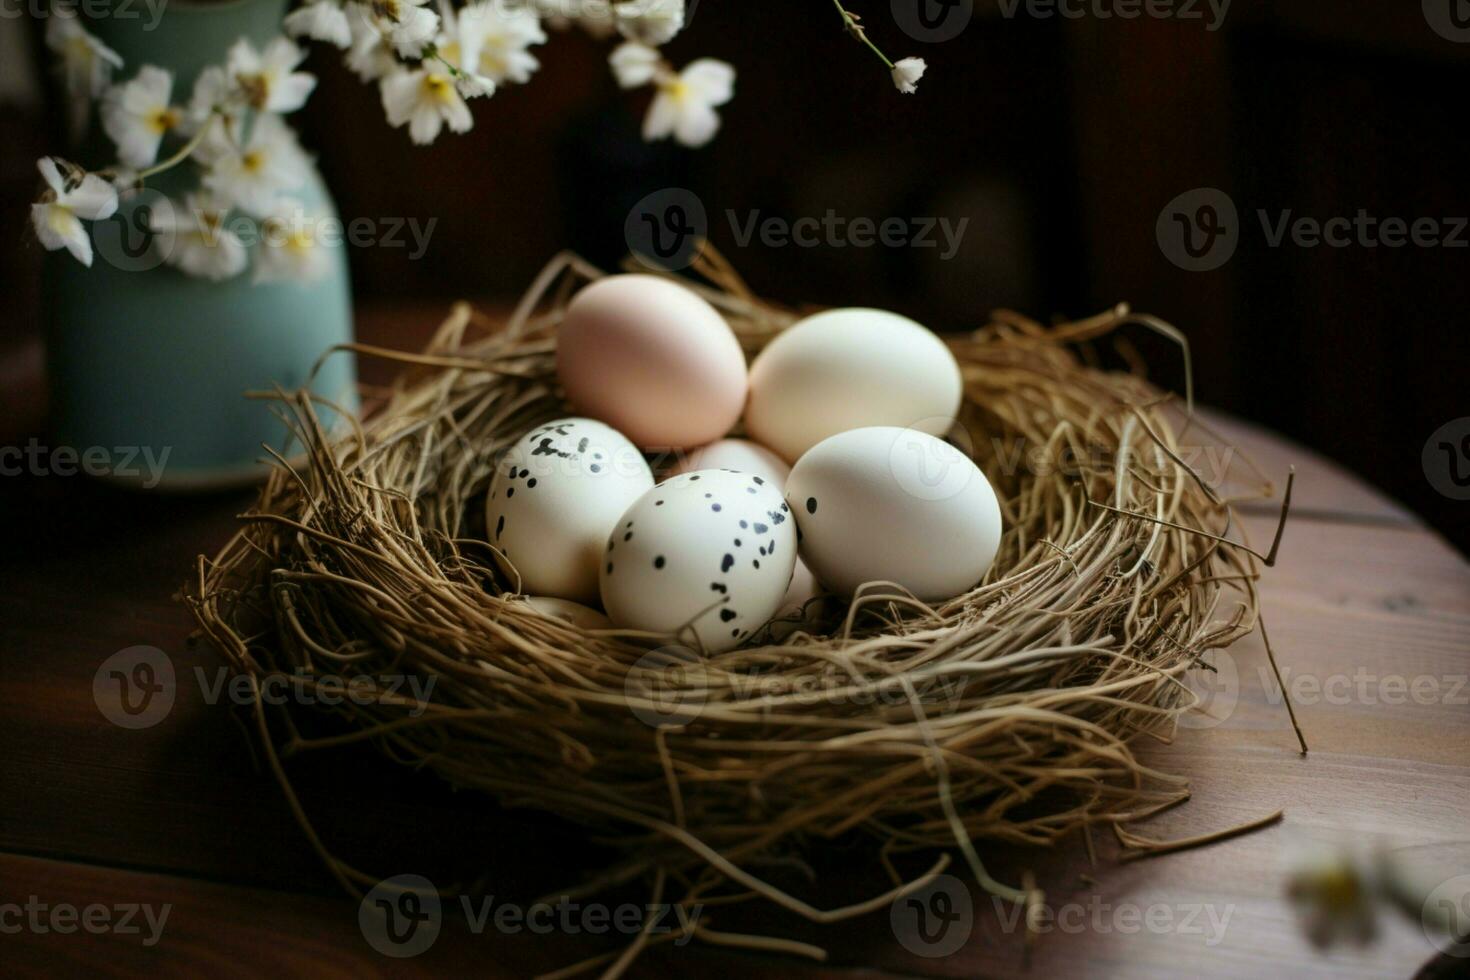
(369, 58)
(634, 64)
(72, 194)
(252, 176)
(291, 246)
(196, 239)
(212, 93)
(685, 104)
(268, 77)
(489, 39)
(86, 63)
(403, 22)
(137, 114)
(425, 100)
(906, 74)
(320, 20)
(652, 22)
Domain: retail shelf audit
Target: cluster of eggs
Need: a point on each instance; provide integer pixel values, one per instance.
(843, 478)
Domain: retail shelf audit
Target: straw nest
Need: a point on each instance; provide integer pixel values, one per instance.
(1009, 713)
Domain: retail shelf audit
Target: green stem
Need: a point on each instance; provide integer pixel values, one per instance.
(183, 154)
(856, 30)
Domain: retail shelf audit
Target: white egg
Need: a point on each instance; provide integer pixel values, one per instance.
(713, 549)
(555, 496)
(894, 505)
(848, 369)
(572, 612)
(752, 457)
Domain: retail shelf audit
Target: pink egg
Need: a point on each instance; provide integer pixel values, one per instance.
(653, 360)
(735, 454)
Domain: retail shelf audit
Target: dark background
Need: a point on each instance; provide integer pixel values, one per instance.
(1060, 139)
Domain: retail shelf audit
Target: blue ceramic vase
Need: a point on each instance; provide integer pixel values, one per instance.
(141, 355)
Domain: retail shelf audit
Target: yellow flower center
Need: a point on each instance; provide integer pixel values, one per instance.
(257, 89)
(162, 120)
(253, 162)
(438, 87)
(61, 219)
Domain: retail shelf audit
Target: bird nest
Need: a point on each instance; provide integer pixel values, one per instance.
(1010, 713)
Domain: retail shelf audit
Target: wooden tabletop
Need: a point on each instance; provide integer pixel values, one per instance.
(1368, 611)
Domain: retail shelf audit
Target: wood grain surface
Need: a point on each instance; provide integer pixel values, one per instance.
(1369, 614)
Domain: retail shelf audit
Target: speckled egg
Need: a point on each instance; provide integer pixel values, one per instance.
(714, 549)
(752, 457)
(554, 497)
(653, 359)
(894, 505)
